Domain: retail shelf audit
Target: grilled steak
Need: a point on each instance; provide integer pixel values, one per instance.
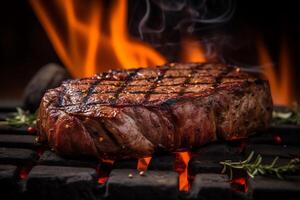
(133, 113)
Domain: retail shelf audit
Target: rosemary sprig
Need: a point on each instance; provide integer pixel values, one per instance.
(288, 117)
(254, 167)
(20, 118)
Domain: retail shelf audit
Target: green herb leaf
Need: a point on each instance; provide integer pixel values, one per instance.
(20, 118)
(288, 117)
(255, 167)
(282, 115)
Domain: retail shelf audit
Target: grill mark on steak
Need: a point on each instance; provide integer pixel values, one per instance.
(92, 87)
(144, 92)
(220, 76)
(167, 102)
(121, 88)
(155, 84)
(141, 79)
(188, 79)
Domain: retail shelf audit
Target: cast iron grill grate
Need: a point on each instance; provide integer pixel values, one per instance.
(29, 171)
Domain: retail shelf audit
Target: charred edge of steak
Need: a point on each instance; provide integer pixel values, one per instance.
(132, 113)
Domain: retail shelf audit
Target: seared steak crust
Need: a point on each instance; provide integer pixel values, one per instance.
(133, 113)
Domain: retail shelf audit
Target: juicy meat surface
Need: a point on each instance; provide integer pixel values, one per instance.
(136, 112)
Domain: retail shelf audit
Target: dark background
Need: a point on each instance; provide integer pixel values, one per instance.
(24, 46)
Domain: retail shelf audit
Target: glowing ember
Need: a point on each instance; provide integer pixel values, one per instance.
(277, 139)
(143, 163)
(89, 37)
(103, 169)
(102, 180)
(107, 162)
(240, 182)
(23, 173)
(181, 166)
(281, 85)
(192, 51)
(31, 130)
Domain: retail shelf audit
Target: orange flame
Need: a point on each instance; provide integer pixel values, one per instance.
(103, 170)
(143, 163)
(182, 160)
(192, 51)
(89, 37)
(281, 85)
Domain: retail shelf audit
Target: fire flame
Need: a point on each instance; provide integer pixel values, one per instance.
(91, 37)
(192, 50)
(103, 169)
(143, 163)
(181, 166)
(281, 85)
(93, 40)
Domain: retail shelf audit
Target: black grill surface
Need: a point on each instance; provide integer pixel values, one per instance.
(29, 170)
